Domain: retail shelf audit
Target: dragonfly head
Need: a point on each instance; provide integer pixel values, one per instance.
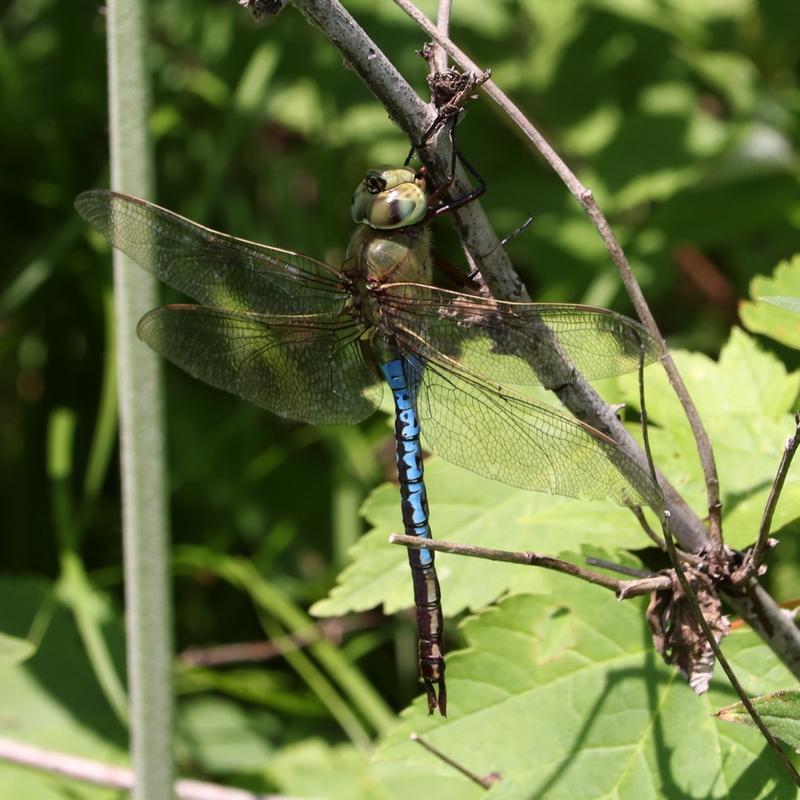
(390, 197)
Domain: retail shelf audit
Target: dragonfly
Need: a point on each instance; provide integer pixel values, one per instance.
(313, 343)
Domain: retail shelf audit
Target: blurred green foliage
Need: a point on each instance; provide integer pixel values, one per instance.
(683, 118)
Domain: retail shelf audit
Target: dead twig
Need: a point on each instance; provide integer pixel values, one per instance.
(111, 775)
(486, 782)
(622, 589)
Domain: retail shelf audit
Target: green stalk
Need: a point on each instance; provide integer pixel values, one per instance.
(73, 587)
(144, 478)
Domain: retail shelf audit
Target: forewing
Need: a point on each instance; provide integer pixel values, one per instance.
(213, 268)
(517, 343)
(309, 370)
(510, 438)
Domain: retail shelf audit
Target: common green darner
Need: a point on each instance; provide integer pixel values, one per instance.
(316, 344)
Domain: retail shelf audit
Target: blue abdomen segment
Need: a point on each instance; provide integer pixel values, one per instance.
(409, 457)
(414, 505)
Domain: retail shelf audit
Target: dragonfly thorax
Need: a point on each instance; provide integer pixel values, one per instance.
(389, 198)
(390, 256)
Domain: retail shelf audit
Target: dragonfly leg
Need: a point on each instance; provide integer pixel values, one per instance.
(437, 207)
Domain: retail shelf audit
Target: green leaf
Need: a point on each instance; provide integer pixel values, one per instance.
(223, 737)
(580, 706)
(468, 508)
(53, 699)
(314, 768)
(14, 650)
(790, 303)
(779, 710)
(748, 427)
(776, 303)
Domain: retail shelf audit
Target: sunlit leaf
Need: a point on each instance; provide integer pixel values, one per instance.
(774, 308)
(779, 710)
(748, 425)
(597, 716)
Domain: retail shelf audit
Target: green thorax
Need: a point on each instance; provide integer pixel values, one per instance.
(390, 256)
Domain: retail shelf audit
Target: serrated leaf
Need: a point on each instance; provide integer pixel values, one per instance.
(468, 508)
(597, 717)
(778, 320)
(14, 650)
(779, 710)
(744, 401)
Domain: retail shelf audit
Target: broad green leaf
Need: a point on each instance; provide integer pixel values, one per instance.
(580, 706)
(53, 699)
(779, 710)
(14, 650)
(468, 508)
(776, 303)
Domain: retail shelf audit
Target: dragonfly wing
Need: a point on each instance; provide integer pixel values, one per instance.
(310, 370)
(213, 268)
(517, 343)
(511, 438)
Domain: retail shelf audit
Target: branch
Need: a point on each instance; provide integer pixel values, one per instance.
(645, 526)
(622, 589)
(145, 512)
(443, 26)
(112, 776)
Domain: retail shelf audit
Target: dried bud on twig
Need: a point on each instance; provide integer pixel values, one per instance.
(677, 634)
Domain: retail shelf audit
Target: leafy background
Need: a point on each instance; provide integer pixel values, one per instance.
(683, 117)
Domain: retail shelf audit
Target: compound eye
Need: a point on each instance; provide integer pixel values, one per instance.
(375, 185)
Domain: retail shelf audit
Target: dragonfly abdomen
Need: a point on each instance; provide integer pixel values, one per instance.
(414, 506)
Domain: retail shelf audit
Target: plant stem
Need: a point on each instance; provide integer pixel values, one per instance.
(144, 476)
